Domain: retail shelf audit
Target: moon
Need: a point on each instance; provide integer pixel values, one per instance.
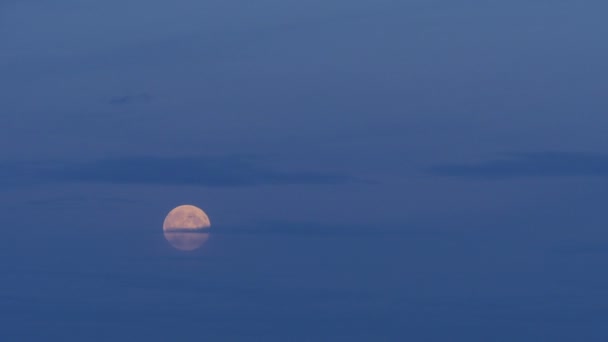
(186, 227)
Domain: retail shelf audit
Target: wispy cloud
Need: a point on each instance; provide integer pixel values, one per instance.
(128, 99)
(19, 173)
(527, 165)
(195, 171)
(59, 201)
(581, 249)
(205, 171)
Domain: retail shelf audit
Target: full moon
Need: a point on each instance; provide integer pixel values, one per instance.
(186, 227)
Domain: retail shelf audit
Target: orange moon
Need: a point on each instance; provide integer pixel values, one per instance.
(186, 227)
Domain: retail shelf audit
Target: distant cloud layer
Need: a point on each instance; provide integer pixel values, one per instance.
(198, 171)
(128, 99)
(521, 165)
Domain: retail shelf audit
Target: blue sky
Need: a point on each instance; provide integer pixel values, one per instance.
(373, 170)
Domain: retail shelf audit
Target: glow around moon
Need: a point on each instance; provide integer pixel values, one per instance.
(186, 227)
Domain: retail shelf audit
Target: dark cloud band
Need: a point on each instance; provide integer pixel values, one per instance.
(528, 165)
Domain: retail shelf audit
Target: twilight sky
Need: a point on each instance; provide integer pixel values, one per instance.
(373, 170)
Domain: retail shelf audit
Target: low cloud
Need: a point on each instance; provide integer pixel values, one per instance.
(188, 230)
(529, 165)
(322, 229)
